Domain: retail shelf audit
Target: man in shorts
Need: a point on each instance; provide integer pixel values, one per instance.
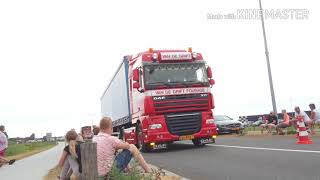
(108, 145)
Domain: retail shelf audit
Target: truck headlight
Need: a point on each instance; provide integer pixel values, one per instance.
(155, 56)
(210, 121)
(155, 126)
(194, 55)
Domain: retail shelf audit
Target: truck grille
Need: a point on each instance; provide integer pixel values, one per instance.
(180, 103)
(184, 124)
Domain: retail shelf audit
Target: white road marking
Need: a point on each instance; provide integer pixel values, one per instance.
(267, 149)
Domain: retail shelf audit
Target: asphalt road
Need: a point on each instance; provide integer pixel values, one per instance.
(242, 158)
(33, 167)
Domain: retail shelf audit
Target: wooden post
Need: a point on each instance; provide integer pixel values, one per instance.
(89, 161)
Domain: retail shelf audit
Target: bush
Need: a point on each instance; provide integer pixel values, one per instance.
(291, 130)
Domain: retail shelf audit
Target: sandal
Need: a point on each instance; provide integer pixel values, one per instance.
(12, 161)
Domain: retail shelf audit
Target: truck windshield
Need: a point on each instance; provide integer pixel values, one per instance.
(175, 74)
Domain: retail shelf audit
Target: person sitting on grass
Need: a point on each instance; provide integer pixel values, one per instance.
(315, 116)
(70, 160)
(307, 121)
(285, 123)
(95, 130)
(264, 124)
(273, 122)
(4, 147)
(108, 145)
(270, 123)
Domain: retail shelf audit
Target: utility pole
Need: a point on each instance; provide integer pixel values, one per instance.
(268, 62)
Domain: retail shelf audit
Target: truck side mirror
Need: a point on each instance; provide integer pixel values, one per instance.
(209, 72)
(135, 75)
(212, 82)
(136, 85)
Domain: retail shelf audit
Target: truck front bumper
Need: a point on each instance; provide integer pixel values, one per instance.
(165, 136)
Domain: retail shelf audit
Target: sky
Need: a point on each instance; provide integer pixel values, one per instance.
(57, 57)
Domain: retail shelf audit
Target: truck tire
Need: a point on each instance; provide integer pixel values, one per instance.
(144, 147)
(121, 133)
(197, 143)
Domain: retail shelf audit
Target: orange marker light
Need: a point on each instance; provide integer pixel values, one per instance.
(150, 50)
(190, 49)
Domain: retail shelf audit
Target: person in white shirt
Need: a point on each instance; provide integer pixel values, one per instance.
(3, 141)
(315, 115)
(3, 147)
(307, 121)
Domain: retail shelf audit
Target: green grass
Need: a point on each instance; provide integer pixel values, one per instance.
(136, 174)
(17, 149)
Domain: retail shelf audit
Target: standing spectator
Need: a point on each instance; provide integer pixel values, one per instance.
(3, 147)
(315, 116)
(70, 160)
(285, 123)
(306, 119)
(107, 146)
(3, 141)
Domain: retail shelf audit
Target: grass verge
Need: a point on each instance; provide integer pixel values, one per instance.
(134, 174)
(20, 151)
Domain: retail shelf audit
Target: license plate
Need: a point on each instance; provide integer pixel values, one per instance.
(206, 140)
(160, 146)
(188, 137)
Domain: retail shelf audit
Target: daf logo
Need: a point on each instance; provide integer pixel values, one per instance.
(159, 98)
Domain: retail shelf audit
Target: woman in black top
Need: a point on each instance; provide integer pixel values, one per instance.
(71, 158)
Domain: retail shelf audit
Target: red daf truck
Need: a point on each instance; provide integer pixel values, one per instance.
(161, 96)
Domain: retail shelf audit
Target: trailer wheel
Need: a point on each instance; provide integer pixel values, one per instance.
(144, 147)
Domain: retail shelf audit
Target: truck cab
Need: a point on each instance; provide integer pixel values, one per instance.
(170, 99)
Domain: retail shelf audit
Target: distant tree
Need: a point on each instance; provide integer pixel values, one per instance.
(32, 137)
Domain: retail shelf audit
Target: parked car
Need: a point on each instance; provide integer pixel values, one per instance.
(227, 125)
(257, 123)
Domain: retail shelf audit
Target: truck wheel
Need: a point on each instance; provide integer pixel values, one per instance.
(197, 142)
(144, 147)
(121, 133)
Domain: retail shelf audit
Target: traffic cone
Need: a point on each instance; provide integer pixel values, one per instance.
(303, 134)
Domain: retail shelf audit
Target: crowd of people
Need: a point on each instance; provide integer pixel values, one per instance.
(271, 122)
(111, 153)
